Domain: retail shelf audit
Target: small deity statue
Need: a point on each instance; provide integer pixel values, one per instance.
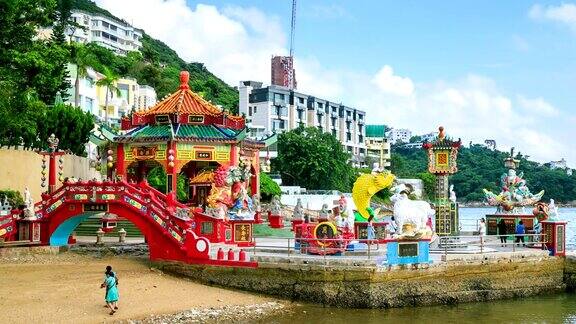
(299, 210)
(256, 203)
(376, 168)
(342, 206)
(452, 194)
(325, 213)
(29, 205)
(275, 207)
(553, 210)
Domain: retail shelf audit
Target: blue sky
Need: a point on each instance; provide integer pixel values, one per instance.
(503, 70)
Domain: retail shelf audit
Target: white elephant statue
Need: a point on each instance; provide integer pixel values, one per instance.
(411, 216)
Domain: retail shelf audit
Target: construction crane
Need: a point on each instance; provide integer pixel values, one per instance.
(292, 28)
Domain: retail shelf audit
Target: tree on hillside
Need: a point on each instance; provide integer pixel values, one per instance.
(312, 159)
(109, 81)
(82, 59)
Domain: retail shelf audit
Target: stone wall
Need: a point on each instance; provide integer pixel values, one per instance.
(570, 272)
(357, 287)
(20, 169)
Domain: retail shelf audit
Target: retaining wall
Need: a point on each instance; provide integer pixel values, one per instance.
(359, 287)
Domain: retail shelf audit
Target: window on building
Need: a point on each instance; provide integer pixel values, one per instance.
(250, 111)
(362, 151)
(95, 23)
(319, 118)
(112, 27)
(348, 126)
(333, 121)
(89, 104)
(360, 138)
(349, 114)
(105, 24)
(301, 100)
(89, 82)
(320, 105)
(386, 151)
(300, 114)
(255, 109)
(96, 33)
(348, 136)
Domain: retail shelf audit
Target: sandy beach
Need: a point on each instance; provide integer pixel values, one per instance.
(65, 289)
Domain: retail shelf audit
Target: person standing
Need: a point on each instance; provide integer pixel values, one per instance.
(482, 230)
(111, 292)
(520, 231)
(502, 231)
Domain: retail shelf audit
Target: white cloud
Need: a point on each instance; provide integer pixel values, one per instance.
(386, 81)
(537, 106)
(235, 43)
(564, 14)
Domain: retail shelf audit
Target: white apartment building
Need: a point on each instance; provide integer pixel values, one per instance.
(116, 35)
(430, 137)
(146, 97)
(399, 135)
(88, 91)
(278, 109)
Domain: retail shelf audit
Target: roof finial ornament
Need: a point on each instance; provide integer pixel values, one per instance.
(184, 77)
(441, 134)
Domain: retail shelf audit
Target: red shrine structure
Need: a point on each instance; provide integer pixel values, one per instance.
(185, 135)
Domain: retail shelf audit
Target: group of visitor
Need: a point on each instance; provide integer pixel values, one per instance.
(520, 230)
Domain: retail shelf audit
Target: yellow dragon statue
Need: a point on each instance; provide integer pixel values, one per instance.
(366, 186)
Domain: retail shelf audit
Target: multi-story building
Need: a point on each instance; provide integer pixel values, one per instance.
(399, 135)
(558, 164)
(429, 137)
(278, 109)
(88, 94)
(146, 97)
(116, 35)
(377, 145)
(282, 72)
(118, 105)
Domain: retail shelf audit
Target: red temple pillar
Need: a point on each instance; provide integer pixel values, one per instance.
(255, 185)
(233, 154)
(171, 167)
(120, 163)
(52, 173)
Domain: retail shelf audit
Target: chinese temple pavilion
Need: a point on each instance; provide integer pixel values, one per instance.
(185, 134)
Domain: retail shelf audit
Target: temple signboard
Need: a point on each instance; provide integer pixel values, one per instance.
(144, 152)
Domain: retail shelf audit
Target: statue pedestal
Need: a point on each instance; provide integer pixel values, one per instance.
(258, 218)
(555, 237)
(275, 221)
(408, 251)
(295, 223)
(511, 220)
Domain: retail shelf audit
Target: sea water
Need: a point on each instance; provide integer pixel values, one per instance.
(469, 218)
(560, 308)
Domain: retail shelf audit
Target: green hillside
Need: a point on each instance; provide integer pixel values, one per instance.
(159, 66)
(480, 168)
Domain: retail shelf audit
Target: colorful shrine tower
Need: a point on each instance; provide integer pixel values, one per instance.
(442, 156)
(184, 134)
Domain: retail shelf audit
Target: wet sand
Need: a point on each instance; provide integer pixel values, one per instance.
(66, 289)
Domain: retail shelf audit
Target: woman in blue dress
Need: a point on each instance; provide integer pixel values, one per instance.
(111, 292)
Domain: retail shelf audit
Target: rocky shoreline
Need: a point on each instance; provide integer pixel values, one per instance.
(225, 314)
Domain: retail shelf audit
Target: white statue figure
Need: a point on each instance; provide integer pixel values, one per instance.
(411, 216)
(553, 210)
(452, 194)
(256, 203)
(376, 168)
(275, 208)
(299, 210)
(325, 213)
(29, 205)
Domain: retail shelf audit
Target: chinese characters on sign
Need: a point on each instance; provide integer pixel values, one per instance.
(94, 207)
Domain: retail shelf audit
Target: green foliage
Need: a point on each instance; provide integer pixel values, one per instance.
(159, 66)
(263, 230)
(312, 159)
(481, 168)
(157, 179)
(429, 181)
(14, 197)
(268, 188)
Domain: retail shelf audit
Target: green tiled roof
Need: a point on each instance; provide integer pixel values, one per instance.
(376, 130)
(183, 132)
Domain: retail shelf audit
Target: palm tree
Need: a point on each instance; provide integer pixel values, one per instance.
(109, 81)
(80, 58)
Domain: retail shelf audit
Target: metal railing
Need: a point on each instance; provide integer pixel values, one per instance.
(486, 241)
(322, 247)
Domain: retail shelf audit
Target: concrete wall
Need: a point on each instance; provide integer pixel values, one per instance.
(20, 169)
(359, 287)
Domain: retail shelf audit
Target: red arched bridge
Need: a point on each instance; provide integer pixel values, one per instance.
(166, 223)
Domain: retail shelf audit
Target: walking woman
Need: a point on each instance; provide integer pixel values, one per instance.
(111, 292)
(502, 231)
